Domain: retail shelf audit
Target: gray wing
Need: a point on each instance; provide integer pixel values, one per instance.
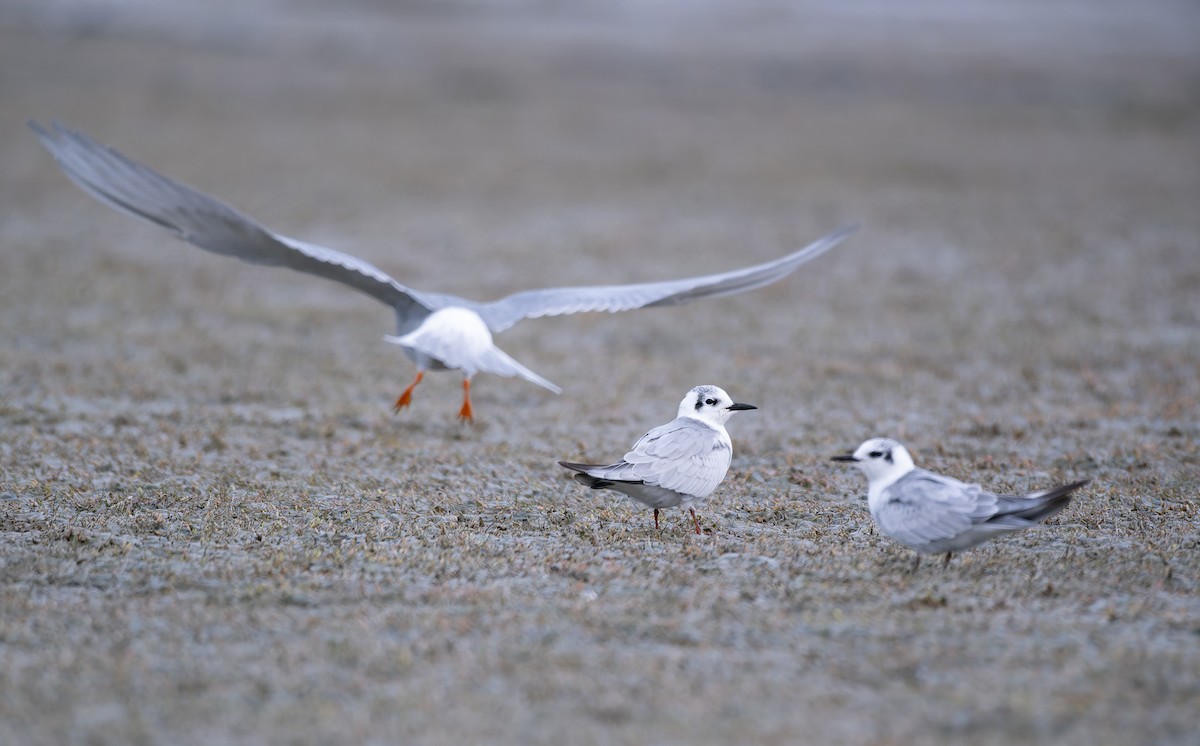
(686, 456)
(923, 508)
(135, 189)
(502, 314)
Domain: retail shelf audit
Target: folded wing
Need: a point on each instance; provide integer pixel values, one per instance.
(922, 507)
(685, 455)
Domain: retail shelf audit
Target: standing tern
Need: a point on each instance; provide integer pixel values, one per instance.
(679, 463)
(437, 331)
(931, 513)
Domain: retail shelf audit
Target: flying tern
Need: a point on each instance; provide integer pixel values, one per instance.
(437, 331)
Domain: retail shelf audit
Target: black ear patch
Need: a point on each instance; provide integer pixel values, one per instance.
(888, 457)
(699, 401)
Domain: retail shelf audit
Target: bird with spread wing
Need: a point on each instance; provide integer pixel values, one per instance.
(437, 331)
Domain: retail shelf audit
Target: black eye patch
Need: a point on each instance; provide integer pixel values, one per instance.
(875, 454)
(711, 402)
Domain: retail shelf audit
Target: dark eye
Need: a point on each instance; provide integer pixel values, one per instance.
(875, 454)
(711, 402)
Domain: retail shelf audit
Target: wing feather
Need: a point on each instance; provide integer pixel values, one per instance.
(502, 314)
(200, 219)
(686, 455)
(922, 507)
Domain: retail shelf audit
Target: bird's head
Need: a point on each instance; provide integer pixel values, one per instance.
(711, 404)
(880, 459)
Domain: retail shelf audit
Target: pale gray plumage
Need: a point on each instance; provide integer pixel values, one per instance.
(200, 219)
(682, 458)
(679, 463)
(935, 514)
(195, 217)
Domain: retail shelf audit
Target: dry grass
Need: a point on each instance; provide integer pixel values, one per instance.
(215, 531)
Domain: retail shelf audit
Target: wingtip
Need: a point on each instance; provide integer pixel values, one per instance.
(1064, 492)
(1070, 487)
(826, 243)
(843, 232)
(51, 129)
(43, 134)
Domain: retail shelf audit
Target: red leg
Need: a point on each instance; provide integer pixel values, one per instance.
(695, 520)
(466, 414)
(656, 519)
(406, 398)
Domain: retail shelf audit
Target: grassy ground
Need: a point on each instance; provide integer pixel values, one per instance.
(215, 530)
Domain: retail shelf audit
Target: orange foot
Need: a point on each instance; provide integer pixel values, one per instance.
(406, 398)
(466, 414)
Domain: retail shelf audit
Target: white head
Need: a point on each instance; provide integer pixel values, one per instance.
(711, 404)
(881, 459)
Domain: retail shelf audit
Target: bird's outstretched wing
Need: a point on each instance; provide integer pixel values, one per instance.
(203, 220)
(530, 304)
